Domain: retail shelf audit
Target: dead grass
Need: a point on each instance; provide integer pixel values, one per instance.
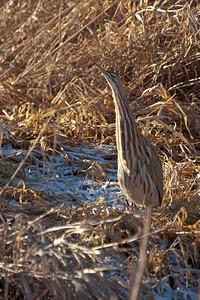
(49, 93)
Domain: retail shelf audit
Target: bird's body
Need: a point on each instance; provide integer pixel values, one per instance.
(140, 173)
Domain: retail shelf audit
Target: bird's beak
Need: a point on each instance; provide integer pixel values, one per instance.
(100, 69)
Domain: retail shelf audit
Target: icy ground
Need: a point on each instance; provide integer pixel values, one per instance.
(85, 173)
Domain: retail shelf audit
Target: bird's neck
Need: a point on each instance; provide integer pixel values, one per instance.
(127, 133)
(124, 114)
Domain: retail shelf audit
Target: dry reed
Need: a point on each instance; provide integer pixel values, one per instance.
(49, 94)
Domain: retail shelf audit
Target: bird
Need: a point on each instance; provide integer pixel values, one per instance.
(140, 174)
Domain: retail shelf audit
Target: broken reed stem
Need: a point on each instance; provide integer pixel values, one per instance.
(41, 133)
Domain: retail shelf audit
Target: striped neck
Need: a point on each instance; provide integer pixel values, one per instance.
(127, 135)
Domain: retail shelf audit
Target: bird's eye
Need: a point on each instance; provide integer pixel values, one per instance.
(111, 70)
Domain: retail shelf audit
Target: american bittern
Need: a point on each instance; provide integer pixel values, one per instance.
(140, 173)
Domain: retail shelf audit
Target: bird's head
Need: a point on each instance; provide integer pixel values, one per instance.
(110, 76)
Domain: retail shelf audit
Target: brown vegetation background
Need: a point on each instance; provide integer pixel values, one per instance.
(50, 93)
